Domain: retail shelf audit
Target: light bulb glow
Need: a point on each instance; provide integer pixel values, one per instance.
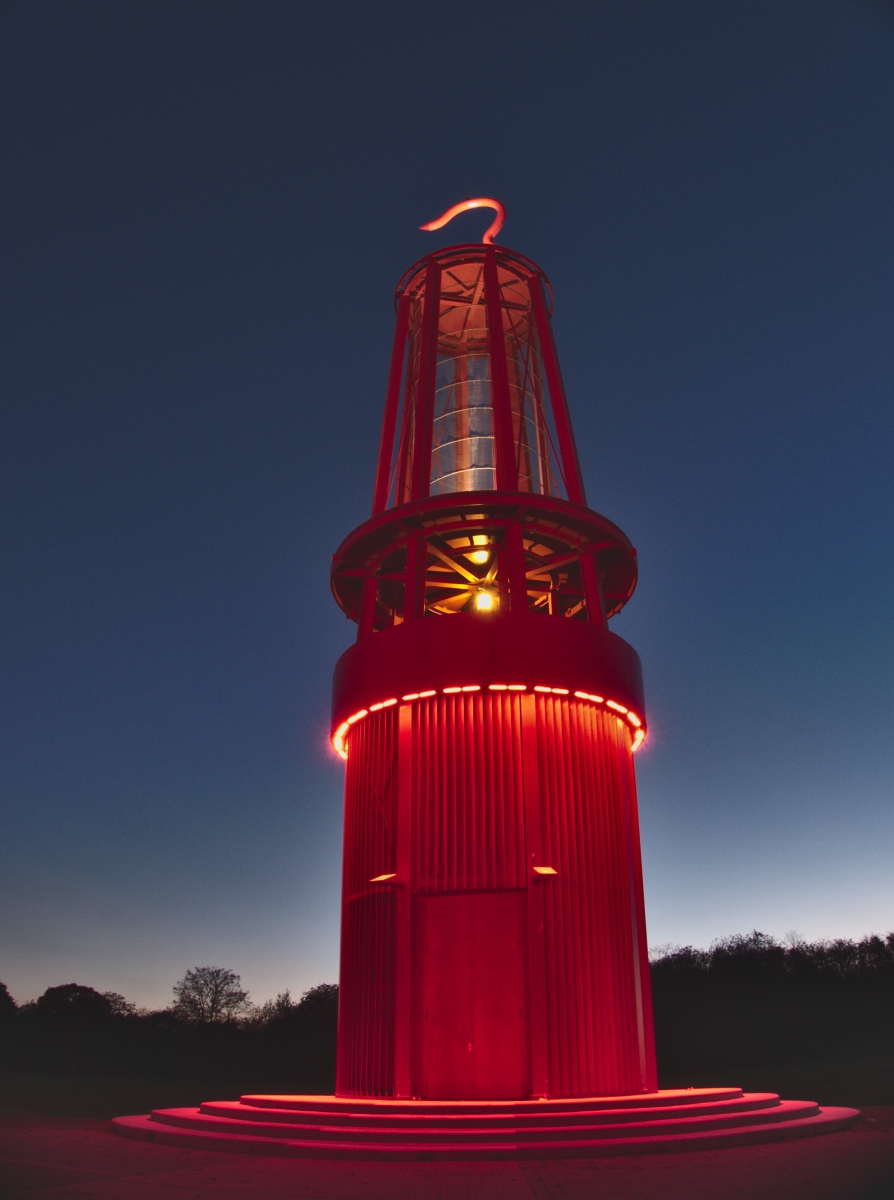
(484, 601)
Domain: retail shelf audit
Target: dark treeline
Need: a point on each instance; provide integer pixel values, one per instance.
(748, 1001)
(75, 1029)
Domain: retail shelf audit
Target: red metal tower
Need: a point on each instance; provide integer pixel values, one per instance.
(493, 935)
(493, 931)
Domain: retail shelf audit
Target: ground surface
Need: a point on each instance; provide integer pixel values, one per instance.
(51, 1158)
(56, 1144)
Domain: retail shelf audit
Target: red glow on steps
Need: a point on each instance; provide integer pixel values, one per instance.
(330, 1127)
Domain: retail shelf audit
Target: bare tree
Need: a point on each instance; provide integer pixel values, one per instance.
(210, 995)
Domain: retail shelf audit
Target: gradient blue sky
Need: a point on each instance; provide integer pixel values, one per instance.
(205, 211)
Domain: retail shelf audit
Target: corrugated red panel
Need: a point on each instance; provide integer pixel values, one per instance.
(366, 990)
(598, 1000)
(468, 793)
(499, 782)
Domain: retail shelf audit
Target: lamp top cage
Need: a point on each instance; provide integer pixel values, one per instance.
(479, 508)
(475, 398)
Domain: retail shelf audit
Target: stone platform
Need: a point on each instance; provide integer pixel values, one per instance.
(343, 1128)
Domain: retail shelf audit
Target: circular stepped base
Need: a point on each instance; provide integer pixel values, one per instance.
(341, 1127)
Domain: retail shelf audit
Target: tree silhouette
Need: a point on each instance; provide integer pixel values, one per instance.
(8, 1006)
(74, 1004)
(210, 996)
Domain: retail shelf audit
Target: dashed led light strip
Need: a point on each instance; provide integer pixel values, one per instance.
(340, 735)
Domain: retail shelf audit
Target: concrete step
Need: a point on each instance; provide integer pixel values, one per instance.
(372, 1105)
(335, 1127)
(575, 1129)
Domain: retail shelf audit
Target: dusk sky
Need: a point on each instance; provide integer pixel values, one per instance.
(206, 207)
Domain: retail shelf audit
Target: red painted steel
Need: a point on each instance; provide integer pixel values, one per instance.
(481, 379)
(471, 1033)
(392, 401)
(493, 928)
(488, 805)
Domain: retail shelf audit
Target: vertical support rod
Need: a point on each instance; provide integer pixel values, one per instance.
(367, 606)
(414, 586)
(515, 557)
(504, 436)
(392, 401)
(425, 398)
(567, 448)
(537, 1005)
(589, 569)
(403, 974)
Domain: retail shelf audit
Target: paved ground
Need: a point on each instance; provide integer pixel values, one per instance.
(51, 1158)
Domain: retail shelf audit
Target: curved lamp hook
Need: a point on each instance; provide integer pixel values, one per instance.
(481, 202)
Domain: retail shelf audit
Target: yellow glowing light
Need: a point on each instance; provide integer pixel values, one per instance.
(376, 707)
(634, 719)
(560, 691)
(388, 703)
(496, 687)
(410, 696)
(478, 556)
(451, 691)
(422, 695)
(545, 871)
(638, 740)
(383, 878)
(617, 707)
(357, 716)
(484, 601)
(597, 699)
(473, 687)
(538, 688)
(518, 687)
(339, 740)
(582, 695)
(480, 539)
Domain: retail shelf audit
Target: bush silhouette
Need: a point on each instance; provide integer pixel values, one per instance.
(750, 1000)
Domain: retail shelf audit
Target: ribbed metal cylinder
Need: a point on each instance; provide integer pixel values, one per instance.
(464, 796)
